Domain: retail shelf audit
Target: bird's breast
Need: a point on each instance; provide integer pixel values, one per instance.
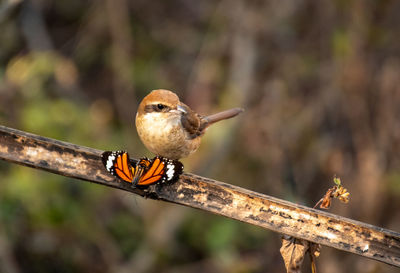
(164, 135)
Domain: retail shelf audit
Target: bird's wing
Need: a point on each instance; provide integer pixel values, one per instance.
(191, 121)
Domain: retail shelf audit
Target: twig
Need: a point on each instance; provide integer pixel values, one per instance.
(220, 198)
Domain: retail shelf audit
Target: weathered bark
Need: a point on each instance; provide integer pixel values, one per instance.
(220, 198)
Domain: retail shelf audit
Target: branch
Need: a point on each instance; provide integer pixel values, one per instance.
(220, 198)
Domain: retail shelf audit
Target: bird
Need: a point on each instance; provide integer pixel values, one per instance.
(171, 129)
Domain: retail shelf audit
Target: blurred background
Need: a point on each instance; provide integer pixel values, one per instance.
(320, 82)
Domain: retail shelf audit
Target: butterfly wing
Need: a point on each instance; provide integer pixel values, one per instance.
(145, 172)
(173, 169)
(118, 164)
(161, 170)
(153, 174)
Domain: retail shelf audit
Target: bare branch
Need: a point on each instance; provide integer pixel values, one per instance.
(220, 198)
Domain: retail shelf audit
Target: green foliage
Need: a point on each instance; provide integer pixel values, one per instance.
(121, 224)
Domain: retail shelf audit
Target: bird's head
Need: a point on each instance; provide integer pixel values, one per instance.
(162, 103)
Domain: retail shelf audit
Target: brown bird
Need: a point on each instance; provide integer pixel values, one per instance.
(169, 128)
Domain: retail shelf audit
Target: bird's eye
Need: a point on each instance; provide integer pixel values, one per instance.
(160, 108)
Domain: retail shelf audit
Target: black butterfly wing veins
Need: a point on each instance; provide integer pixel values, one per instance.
(143, 173)
(161, 170)
(118, 164)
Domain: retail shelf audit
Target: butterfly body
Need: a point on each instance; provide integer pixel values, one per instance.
(144, 172)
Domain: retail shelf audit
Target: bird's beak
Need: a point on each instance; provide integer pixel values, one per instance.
(181, 109)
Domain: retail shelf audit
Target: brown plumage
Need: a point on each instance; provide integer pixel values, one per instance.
(169, 128)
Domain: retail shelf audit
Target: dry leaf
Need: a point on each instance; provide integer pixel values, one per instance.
(337, 191)
(326, 200)
(315, 250)
(342, 194)
(293, 251)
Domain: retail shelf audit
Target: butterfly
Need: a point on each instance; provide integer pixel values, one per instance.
(144, 172)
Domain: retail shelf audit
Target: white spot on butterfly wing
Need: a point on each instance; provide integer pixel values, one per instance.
(110, 162)
(170, 171)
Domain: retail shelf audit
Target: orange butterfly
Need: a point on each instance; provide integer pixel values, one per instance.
(145, 172)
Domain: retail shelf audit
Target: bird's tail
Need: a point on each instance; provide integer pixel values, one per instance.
(227, 114)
